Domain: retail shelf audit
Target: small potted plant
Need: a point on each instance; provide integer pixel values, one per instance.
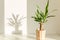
(15, 21)
(41, 18)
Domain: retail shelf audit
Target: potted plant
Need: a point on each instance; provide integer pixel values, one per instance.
(41, 18)
(15, 21)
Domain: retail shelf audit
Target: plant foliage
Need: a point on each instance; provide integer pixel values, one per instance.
(41, 16)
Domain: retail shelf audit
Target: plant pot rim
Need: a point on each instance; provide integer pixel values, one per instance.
(41, 30)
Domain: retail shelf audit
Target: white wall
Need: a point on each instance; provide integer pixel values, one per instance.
(53, 25)
(1, 16)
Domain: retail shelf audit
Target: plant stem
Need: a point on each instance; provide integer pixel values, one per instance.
(40, 26)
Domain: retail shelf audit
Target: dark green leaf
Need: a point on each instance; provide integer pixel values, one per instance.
(46, 9)
(50, 16)
(42, 14)
(37, 11)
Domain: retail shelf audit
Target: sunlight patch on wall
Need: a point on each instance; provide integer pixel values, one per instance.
(15, 7)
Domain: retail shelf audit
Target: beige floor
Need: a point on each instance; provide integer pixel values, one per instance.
(20, 37)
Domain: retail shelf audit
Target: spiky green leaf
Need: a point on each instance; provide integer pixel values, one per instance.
(50, 16)
(46, 8)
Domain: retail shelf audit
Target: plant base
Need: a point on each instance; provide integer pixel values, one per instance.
(40, 34)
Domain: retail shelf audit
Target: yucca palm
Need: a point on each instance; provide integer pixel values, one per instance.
(41, 16)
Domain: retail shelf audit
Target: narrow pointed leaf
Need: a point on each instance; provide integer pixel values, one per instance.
(46, 9)
(50, 16)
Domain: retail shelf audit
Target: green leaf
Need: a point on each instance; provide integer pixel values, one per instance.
(45, 21)
(38, 11)
(42, 14)
(46, 8)
(38, 6)
(50, 16)
(38, 20)
(34, 17)
(38, 14)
